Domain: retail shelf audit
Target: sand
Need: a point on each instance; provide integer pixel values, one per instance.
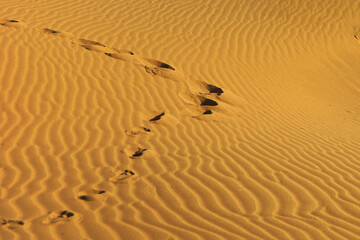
(179, 119)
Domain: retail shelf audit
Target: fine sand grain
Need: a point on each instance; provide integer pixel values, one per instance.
(180, 119)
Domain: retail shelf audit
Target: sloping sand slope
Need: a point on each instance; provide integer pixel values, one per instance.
(149, 119)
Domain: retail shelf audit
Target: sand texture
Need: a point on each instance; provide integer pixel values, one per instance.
(179, 119)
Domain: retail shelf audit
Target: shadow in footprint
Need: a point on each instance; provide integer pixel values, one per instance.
(122, 176)
(58, 216)
(207, 112)
(207, 102)
(138, 153)
(157, 118)
(90, 195)
(214, 89)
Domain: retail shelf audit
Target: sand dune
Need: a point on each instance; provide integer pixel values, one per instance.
(180, 119)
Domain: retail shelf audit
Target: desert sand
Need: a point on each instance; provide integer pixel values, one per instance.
(179, 119)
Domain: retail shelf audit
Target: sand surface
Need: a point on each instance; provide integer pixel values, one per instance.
(179, 119)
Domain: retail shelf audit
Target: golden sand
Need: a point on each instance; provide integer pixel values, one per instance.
(180, 119)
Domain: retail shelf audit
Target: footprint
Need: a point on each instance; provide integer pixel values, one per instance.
(124, 55)
(11, 223)
(123, 51)
(58, 216)
(197, 100)
(92, 195)
(157, 118)
(95, 48)
(133, 151)
(200, 112)
(92, 45)
(82, 41)
(137, 131)
(207, 107)
(204, 88)
(153, 67)
(54, 32)
(153, 70)
(12, 23)
(138, 153)
(122, 176)
(49, 31)
(201, 98)
(159, 64)
(164, 71)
